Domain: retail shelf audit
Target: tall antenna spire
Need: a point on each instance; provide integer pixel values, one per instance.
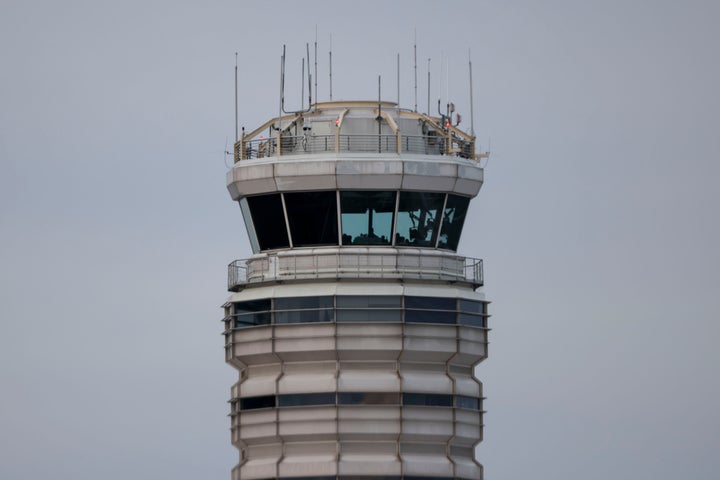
(302, 88)
(307, 52)
(398, 79)
(236, 100)
(316, 92)
(428, 104)
(472, 115)
(281, 107)
(331, 68)
(415, 56)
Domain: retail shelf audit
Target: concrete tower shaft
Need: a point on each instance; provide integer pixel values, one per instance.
(355, 326)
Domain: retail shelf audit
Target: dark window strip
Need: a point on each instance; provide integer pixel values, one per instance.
(357, 398)
(427, 399)
(416, 310)
(372, 477)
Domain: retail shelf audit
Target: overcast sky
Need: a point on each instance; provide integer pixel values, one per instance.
(598, 221)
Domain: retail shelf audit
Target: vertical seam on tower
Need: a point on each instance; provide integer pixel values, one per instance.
(399, 374)
(277, 394)
(454, 396)
(337, 404)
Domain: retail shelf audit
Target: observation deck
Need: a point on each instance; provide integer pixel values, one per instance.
(366, 127)
(355, 263)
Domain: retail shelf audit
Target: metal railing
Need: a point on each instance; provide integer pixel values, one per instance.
(294, 265)
(373, 143)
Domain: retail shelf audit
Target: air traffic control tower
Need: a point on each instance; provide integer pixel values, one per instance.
(356, 326)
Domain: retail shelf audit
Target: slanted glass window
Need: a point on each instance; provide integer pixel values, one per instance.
(367, 217)
(304, 309)
(251, 313)
(312, 217)
(472, 313)
(369, 308)
(269, 220)
(455, 210)
(249, 227)
(418, 218)
(430, 310)
(428, 399)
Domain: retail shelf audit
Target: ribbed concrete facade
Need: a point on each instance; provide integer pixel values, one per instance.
(355, 326)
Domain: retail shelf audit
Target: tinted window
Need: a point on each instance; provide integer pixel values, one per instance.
(429, 316)
(304, 309)
(304, 316)
(298, 303)
(367, 217)
(269, 220)
(455, 210)
(427, 399)
(356, 315)
(261, 305)
(430, 303)
(251, 403)
(303, 399)
(364, 301)
(471, 306)
(418, 218)
(472, 320)
(461, 401)
(251, 313)
(312, 217)
(366, 308)
(363, 398)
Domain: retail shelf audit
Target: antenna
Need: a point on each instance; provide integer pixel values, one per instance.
(379, 117)
(316, 92)
(472, 115)
(307, 52)
(236, 104)
(331, 68)
(440, 82)
(282, 86)
(428, 104)
(447, 79)
(302, 88)
(415, 57)
(398, 79)
(282, 83)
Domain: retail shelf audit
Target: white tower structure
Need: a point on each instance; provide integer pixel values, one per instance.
(355, 326)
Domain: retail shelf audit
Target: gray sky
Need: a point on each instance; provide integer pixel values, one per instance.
(598, 222)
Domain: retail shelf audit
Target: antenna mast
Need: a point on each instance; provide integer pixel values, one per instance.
(398, 79)
(379, 117)
(428, 104)
(302, 88)
(316, 92)
(331, 68)
(282, 83)
(236, 101)
(302, 93)
(472, 115)
(307, 52)
(415, 57)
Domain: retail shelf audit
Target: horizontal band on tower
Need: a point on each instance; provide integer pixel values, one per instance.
(356, 398)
